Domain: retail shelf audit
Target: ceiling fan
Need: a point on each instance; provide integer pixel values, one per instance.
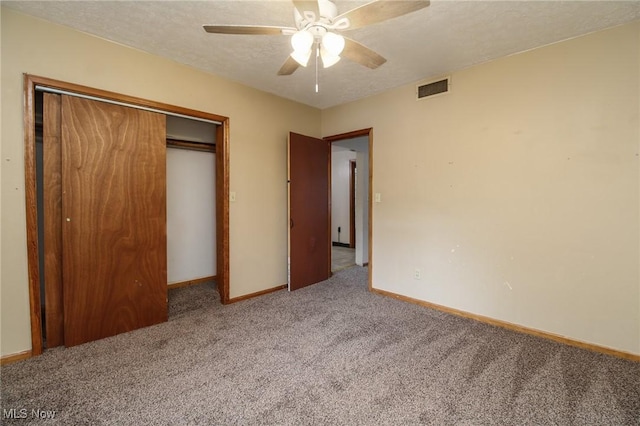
(317, 29)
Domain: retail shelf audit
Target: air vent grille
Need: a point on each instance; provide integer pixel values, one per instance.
(434, 88)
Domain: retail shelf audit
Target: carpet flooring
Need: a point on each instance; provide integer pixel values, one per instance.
(332, 353)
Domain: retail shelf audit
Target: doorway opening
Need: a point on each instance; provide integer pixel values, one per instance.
(191, 232)
(351, 208)
(343, 201)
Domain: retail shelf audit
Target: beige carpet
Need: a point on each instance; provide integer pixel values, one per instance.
(332, 353)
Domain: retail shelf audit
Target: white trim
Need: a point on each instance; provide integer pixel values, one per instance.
(109, 101)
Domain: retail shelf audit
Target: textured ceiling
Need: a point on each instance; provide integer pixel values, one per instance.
(445, 37)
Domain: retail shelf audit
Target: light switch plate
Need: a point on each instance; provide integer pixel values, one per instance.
(232, 196)
(378, 197)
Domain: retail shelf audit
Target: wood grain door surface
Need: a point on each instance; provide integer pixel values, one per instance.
(309, 177)
(114, 219)
(52, 219)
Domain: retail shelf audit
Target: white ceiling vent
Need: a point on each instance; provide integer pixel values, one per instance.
(427, 90)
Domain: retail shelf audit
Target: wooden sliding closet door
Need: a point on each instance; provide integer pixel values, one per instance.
(114, 219)
(52, 208)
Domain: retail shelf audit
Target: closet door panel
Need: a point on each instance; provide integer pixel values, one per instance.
(114, 219)
(52, 206)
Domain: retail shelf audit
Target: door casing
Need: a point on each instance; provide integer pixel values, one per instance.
(352, 203)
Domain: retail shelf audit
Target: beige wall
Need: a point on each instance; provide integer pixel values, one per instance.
(516, 194)
(259, 126)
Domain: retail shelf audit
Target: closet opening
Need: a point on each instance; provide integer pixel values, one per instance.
(197, 167)
(191, 202)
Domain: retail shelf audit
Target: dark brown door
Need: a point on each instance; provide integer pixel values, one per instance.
(309, 220)
(114, 219)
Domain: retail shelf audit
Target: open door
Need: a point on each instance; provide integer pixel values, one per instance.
(309, 172)
(113, 219)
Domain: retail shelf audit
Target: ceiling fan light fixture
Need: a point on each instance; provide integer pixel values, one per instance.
(328, 59)
(302, 41)
(333, 43)
(301, 57)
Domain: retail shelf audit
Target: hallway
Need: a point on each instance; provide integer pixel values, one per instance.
(342, 258)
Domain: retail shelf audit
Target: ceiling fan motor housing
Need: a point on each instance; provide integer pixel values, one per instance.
(308, 19)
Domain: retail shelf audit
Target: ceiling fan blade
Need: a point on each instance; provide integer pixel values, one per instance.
(307, 5)
(289, 66)
(360, 54)
(248, 29)
(378, 11)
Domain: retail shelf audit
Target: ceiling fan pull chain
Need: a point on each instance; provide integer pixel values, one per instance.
(317, 55)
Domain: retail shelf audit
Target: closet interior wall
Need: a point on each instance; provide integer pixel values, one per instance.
(191, 201)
